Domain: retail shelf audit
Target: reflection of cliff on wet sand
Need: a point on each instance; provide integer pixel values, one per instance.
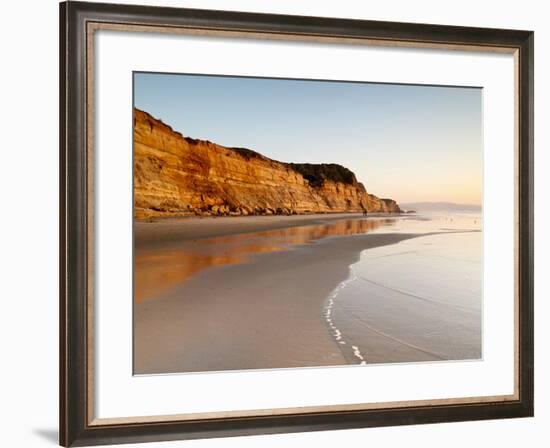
(274, 310)
(158, 270)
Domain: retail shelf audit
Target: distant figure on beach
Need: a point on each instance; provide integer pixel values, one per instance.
(364, 212)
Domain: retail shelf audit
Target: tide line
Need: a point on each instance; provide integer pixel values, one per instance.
(336, 333)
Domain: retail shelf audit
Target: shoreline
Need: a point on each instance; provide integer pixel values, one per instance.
(272, 306)
(362, 312)
(147, 233)
(267, 310)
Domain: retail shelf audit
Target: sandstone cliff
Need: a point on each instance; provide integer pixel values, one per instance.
(177, 176)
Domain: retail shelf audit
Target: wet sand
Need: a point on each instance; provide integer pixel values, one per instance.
(259, 315)
(216, 294)
(181, 229)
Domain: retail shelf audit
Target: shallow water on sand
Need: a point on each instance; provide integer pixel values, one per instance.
(418, 300)
(263, 299)
(160, 269)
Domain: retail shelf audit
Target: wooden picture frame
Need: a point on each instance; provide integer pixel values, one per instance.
(78, 22)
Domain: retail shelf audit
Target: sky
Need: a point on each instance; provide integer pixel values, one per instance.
(406, 142)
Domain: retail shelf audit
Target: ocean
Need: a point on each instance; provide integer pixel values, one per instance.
(417, 300)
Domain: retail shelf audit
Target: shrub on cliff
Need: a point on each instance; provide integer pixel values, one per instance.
(316, 174)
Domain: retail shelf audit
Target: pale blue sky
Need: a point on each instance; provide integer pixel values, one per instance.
(410, 143)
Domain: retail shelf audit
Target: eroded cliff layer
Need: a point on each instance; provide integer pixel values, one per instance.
(177, 176)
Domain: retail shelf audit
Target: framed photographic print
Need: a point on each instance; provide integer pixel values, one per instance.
(278, 223)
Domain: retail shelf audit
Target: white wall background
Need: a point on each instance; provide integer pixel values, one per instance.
(29, 207)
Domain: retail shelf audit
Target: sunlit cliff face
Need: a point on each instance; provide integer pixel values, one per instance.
(178, 176)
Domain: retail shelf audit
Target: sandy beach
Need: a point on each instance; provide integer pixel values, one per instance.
(181, 229)
(265, 314)
(252, 292)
